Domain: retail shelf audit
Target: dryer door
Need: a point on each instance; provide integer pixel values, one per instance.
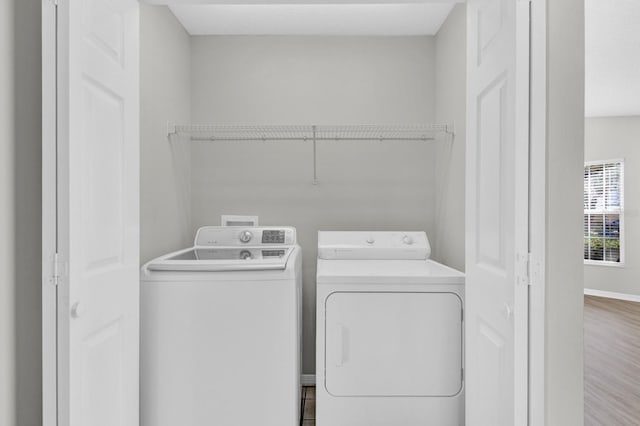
(393, 344)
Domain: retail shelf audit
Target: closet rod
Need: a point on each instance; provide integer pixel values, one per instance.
(272, 139)
(368, 132)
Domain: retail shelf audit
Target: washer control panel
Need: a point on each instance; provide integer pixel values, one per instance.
(233, 236)
(273, 236)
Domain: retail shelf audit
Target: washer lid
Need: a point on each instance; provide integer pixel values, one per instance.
(380, 245)
(224, 259)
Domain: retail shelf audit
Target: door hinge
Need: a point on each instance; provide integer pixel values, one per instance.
(523, 268)
(57, 269)
(533, 270)
(527, 269)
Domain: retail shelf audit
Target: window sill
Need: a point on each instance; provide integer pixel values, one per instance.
(605, 264)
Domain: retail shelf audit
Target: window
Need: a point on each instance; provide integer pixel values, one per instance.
(603, 212)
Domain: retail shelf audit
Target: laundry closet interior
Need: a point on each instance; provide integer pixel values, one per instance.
(366, 90)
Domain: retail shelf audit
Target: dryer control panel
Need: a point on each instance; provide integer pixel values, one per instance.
(236, 236)
(373, 245)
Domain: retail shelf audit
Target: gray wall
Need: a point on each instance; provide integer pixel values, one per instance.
(20, 214)
(28, 202)
(451, 78)
(165, 96)
(7, 217)
(564, 398)
(610, 138)
(314, 80)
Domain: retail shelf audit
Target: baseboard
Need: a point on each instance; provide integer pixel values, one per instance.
(308, 379)
(612, 295)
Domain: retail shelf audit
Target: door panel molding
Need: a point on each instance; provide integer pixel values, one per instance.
(91, 156)
(497, 211)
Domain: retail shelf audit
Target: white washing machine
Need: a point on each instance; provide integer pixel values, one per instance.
(220, 330)
(390, 343)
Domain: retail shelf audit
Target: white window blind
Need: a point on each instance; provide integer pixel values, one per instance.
(603, 212)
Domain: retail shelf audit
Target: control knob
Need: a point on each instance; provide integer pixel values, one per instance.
(245, 236)
(407, 240)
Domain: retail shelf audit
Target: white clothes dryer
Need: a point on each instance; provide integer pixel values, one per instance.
(390, 342)
(220, 330)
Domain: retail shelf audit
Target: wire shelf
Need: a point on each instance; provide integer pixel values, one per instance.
(313, 133)
(209, 132)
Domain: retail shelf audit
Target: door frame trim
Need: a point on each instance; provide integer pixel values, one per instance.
(49, 214)
(537, 211)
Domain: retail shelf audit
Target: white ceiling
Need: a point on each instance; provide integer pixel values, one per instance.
(612, 57)
(314, 18)
(612, 44)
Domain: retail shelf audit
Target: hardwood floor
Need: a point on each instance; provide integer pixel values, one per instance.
(309, 406)
(611, 362)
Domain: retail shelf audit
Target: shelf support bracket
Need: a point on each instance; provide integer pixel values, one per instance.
(451, 129)
(315, 162)
(171, 129)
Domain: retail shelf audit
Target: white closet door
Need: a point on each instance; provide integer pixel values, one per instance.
(393, 344)
(497, 212)
(98, 214)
